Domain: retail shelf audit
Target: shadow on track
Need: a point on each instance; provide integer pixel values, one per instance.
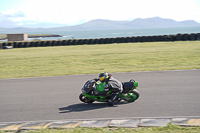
(85, 107)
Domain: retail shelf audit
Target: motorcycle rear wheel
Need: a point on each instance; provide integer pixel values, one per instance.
(136, 93)
(85, 99)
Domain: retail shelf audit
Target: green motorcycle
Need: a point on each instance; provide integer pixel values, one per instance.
(91, 88)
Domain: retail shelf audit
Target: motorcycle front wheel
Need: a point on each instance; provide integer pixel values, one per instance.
(85, 99)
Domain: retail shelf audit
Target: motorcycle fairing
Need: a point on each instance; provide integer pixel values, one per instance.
(100, 87)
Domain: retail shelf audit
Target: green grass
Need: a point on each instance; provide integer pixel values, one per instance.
(167, 129)
(87, 59)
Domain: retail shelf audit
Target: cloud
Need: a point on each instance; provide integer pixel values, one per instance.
(18, 14)
(13, 19)
(73, 12)
(70, 12)
(10, 19)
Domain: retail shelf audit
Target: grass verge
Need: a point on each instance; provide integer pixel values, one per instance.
(87, 59)
(167, 129)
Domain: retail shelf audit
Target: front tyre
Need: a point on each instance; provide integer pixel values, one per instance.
(85, 99)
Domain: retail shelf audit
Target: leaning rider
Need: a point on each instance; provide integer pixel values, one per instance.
(111, 84)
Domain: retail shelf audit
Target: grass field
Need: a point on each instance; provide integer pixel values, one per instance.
(87, 59)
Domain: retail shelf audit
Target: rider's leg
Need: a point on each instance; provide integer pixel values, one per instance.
(114, 98)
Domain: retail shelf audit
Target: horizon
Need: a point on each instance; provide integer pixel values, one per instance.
(49, 14)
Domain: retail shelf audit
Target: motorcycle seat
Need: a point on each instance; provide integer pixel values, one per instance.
(127, 86)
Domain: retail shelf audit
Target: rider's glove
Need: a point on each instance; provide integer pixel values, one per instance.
(94, 80)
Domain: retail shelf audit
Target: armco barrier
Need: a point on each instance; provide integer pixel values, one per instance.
(156, 38)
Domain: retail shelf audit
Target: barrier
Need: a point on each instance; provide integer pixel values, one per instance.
(26, 44)
(96, 41)
(80, 41)
(166, 38)
(43, 43)
(198, 36)
(101, 41)
(20, 44)
(138, 39)
(185, 37)
(172, 37)
(107, 41)
(117, 40)
(154, 38)
(14, 44)
(177, 37)
(143, 38)
(4, 44)
(193, 37)
(90, 41)
(37, 44)
(58, 43)
(54, 43)
(133, 39)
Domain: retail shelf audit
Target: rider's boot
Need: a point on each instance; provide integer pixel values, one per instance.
(113, 99)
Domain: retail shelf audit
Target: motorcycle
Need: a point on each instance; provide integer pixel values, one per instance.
(90, 90)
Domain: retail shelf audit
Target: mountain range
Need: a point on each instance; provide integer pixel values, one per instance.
(102, 24)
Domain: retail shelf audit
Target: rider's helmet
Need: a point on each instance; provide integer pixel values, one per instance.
(103, 76)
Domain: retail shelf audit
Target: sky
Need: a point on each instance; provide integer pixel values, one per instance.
(51, 13)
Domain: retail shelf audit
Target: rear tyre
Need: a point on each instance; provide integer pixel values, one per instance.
(85, 99)
(135, 96)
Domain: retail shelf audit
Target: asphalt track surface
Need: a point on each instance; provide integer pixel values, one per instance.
(162, 94)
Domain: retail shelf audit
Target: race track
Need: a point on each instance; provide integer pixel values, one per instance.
(162, 94)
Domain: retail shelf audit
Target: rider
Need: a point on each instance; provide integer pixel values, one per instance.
(111, 84)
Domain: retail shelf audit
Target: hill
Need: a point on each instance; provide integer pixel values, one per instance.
(101, 24)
